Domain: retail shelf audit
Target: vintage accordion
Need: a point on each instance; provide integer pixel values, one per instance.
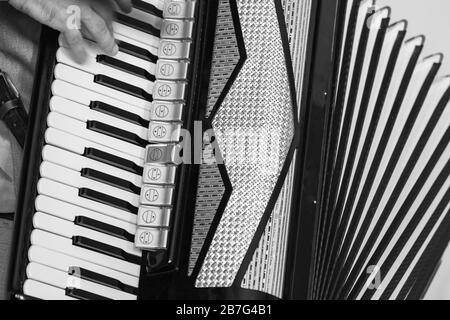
(237, 149)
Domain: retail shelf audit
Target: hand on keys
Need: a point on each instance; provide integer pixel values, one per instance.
(76, 19)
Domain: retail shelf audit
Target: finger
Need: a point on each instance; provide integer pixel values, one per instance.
(105, 9)
(99, 32)
(45, 12)
(74, 41)
(125, 5)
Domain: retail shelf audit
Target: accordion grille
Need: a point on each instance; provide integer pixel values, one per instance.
(209, 195)
(297, 15)
(259, 104)
(225, 55)
(266, 271)
(211, 189)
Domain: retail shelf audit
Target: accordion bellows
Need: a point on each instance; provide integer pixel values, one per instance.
(383, 180)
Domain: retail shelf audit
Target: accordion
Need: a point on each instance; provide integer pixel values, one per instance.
(237, 149)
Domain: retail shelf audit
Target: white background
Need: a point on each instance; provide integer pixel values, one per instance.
(430, 18)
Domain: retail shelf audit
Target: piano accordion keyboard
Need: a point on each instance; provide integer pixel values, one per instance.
(103, 196)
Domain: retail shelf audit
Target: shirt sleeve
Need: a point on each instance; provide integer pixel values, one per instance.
(19, 37)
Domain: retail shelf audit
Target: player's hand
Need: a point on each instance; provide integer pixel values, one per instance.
(76, 19)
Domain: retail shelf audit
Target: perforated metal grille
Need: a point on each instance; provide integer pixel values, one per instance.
(209, 195)
(266, 271)
(225, 54)
(211, 189)
(298, 14)
(254, 128)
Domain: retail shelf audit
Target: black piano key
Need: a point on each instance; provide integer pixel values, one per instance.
(83, 295)
(118, 113)
(116, 133)
(147, 7)
(138, 25)
(107, 200)
(103, 228)
(126, 67)
(102, 280)
(113, 160)
(136, 51)
(110, 180)
(122, 87)
(105, 249)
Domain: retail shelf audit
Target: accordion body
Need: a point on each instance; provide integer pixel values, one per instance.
(315, 146)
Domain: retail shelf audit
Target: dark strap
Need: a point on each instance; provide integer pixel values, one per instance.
(16, 119)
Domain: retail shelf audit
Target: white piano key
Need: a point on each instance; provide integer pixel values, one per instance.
(74, 179)
(78, 128)
(70, 142)
(69, 194)
(69, 212)
(65, 246)
(92, 50)
(84, 113)
(145, 17)
(62, 280)
(43, 291)
(151, 47)
(92, 67)
(86, 80)
(63, 262)
(68, 230)
(135, 61)
(84, 96)
(137, 35)
(76, 162)
(157, 3)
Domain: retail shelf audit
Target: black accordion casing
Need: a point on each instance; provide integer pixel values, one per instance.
(254, 226)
